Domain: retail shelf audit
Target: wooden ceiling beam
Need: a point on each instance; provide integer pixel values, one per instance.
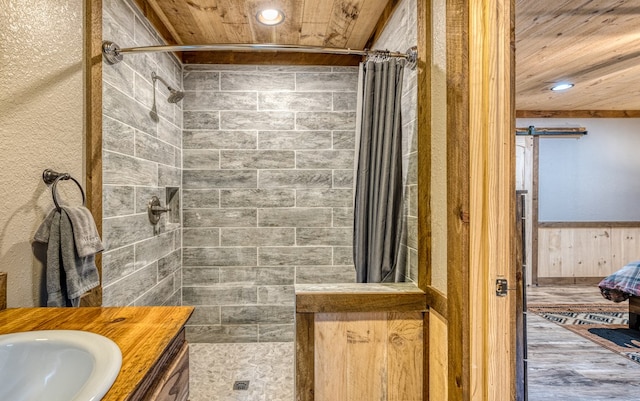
(270, 58)
(159, 20)
(578, 114)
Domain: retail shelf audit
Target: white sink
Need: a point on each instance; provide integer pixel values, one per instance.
(57, 365)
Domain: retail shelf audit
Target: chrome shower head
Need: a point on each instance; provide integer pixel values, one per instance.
(174, 95)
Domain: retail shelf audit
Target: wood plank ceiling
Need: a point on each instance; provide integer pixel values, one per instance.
(594, 44)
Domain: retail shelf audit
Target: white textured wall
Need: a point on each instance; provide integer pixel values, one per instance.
(594, 178)
(41, 126)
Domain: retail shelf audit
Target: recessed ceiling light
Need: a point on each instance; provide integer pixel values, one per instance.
(561, 87)
(270, 16)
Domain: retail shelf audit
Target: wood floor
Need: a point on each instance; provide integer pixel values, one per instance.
(563, 366)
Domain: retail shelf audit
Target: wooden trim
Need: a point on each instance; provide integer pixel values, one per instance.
(305, 358)
(424, 132)
(157, 18)
(542, 281)
(578, 114)
(331, 302)
(535, 191)
(437, 301)
(270, 58)
(458, 200)
(93, 128)
(426, 354)
(589, 224)
(3, 291)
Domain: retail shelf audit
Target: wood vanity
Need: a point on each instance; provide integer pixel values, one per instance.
(155, 356)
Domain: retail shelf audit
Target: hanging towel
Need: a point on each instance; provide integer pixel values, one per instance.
(68, 274)
(85, 232)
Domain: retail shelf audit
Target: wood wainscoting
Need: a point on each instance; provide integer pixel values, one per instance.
(584, 252)
(359, 348)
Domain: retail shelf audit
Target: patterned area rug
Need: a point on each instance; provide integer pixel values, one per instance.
(605, 325)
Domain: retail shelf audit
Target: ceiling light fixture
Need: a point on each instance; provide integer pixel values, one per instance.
(270, 16)
(562, 87)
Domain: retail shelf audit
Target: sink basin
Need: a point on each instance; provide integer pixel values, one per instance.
(57, 365)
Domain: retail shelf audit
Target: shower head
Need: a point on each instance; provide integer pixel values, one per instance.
(174, 95)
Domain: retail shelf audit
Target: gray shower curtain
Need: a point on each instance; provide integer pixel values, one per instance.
(378, 206)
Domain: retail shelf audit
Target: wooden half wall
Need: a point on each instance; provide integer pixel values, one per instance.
(359, 342)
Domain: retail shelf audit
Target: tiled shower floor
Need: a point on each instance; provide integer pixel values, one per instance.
(215, 367)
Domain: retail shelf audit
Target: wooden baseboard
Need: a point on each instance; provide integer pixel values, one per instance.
(548, 281)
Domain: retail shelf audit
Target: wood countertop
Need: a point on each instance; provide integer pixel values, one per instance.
(142, 333)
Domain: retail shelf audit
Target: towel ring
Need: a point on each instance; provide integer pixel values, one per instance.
(52, 177)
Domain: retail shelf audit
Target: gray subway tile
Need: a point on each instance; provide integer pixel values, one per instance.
(344, 139)
(200, 276)
(260, 236)
(295, 140)
(205, 315)
(170, 132)
(154, 248)
(276, 333)
(120, 107)
(335, 81)
(203, 179)
(257, 81)
(121, 231)
(169, 264)
(205, 159)
(410, 169)
(294, 68)
(257, 159)
(412, 232)
(222, 334)
(257, 198)
(334, 159)
(294, 179)
(324, 236)
(219, 217)
(117, 136)
(254, 275)
(200, 198)
(123, 292)
(252, 314)
(345, 101)
(342, 217)
(219, 295)
(235, 256)
(219, 139)
(295, 101)
(117, 264)
(343, 255)
(343, 178)
(144, 195)
(320, 197)
(294, 217)
(169, 176)
(117, 200)
(201, 80)
(150, 148)
(158, 294)
(275, 256)
(276, 295)
(199, 100)
(258, 120)
(323, 120)
(125, 170)
(200, 237)
(412, 198)
(219, 67)
(206, 120)
(121, 77)
(325, 274)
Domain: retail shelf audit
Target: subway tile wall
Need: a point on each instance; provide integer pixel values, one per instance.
(142, 154)
(268, 155)
(401, 33)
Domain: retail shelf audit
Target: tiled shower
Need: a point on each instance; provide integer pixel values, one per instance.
(263, 158)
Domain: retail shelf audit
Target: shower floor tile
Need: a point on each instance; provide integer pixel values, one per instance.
(267, 366)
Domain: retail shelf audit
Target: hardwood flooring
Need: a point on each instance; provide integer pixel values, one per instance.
(563, 366)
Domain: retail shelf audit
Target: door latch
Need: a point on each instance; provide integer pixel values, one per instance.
(501, 287)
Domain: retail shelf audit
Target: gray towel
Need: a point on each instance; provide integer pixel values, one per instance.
(85, 232)
(68, 275)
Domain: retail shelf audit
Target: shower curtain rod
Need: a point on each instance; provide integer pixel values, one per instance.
(113, 53)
